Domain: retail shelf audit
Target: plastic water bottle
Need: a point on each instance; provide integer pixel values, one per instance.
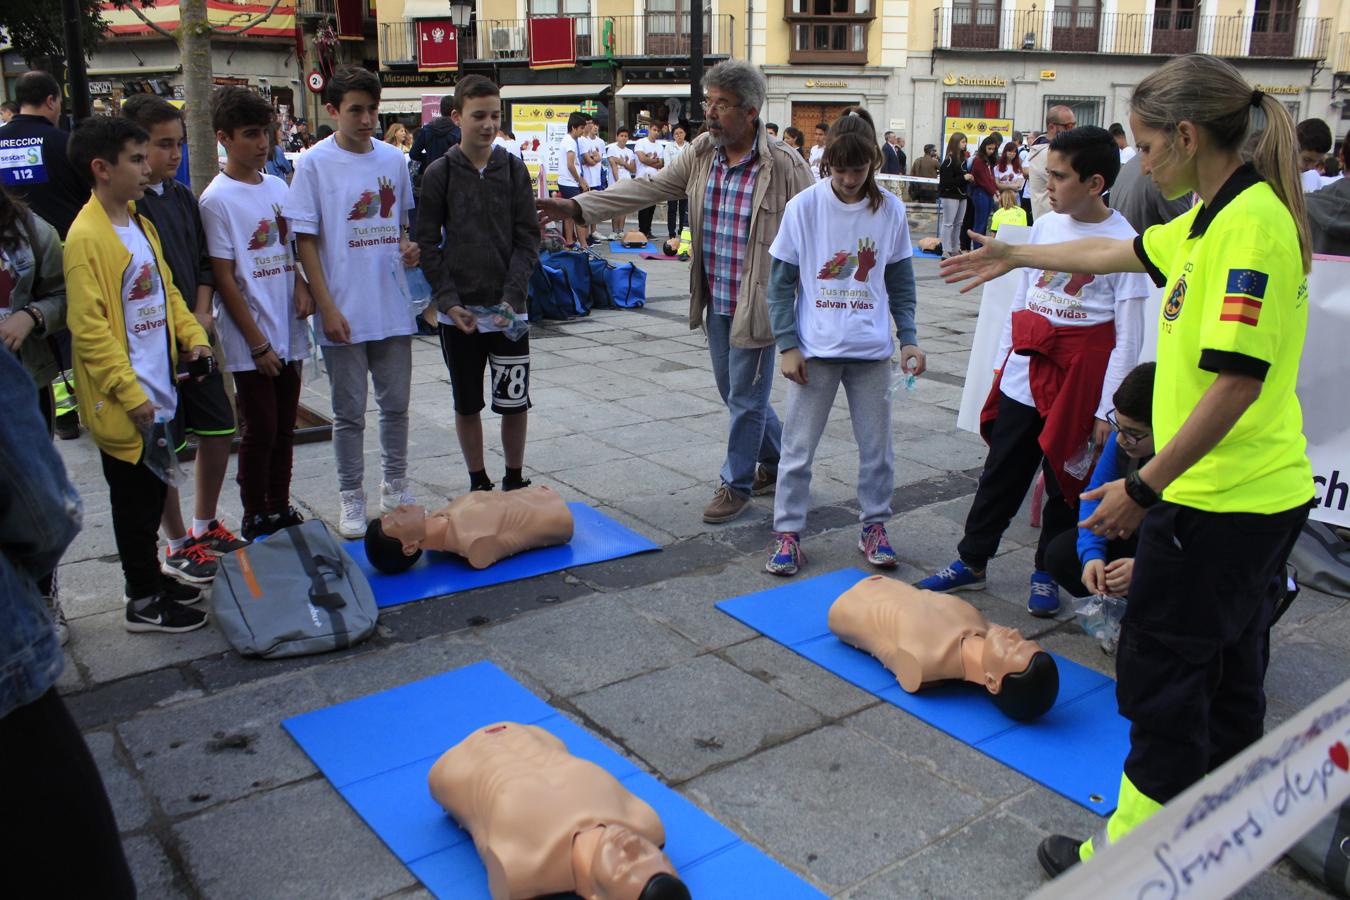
(1080, 464)
(899, 378)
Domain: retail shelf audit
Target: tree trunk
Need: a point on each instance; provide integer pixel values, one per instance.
(194, 44)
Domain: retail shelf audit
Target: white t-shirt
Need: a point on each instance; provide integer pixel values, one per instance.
(651, 148)
(1311, 181)
(243, 222)
(1328, 180)
(145, 311)
(592, 173)
(570, 145)
(1126, 154)
(672, 152)
(357, 204)
(1078, 300)
(623, 154)
(842, 308)
(512, 147)
(1008, 178)
(814, 160)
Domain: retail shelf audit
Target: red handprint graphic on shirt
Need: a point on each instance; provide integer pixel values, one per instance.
(281, 223)
(1077, 282)
(386, 198)
(144, 284)
(264, 235)
(867, 258)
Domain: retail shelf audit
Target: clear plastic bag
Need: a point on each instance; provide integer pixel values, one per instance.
(160, 454)
(413, 284)
(1100, 615)
(501, 317)
(899, 378)
(1080, 464)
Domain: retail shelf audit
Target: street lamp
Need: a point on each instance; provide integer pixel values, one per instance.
(461, 11)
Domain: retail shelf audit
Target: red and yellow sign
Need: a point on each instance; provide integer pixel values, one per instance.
(222, 13)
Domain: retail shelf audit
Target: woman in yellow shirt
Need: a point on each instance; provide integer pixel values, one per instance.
(1219, 507)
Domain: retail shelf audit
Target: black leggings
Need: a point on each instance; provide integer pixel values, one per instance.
(60, 822)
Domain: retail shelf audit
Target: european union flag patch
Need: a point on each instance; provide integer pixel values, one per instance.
(1242, 299)
(1247, 281)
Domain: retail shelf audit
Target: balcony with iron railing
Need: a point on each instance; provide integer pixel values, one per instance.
(657, 35)
(319, 8)
(970, 26)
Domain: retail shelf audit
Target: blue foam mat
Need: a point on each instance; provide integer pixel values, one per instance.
(926, 254)
(376, 752)
(595, 538)
(618, 247)
(1077, 749)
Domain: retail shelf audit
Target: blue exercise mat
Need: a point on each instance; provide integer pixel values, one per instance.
(926, 254)
(376, 752)
(1077, 749)
(618, 247)
(595, 538)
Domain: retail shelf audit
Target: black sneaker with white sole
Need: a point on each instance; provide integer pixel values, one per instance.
(159, 613)
(192, 564)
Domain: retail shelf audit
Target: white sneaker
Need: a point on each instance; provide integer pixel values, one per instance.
(394, 494)
(352, 523)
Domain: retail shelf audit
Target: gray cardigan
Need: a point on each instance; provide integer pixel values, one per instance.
(42, 285)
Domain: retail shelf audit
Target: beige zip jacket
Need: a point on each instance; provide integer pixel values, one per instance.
(782, 174)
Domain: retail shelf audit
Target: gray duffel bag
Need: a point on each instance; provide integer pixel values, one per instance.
(295, 593)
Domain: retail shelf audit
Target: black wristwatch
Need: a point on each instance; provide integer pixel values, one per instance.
(1139, 491)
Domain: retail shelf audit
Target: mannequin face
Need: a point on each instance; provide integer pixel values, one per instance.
(624, 862)
(407, 525)
(1006, 652)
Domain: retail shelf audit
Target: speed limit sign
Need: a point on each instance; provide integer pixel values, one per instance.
(315, 81)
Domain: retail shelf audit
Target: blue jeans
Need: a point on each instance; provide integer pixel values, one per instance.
(984, 207)
(744, 378)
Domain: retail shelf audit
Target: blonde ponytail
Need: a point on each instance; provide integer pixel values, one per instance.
(1275, 158)
(1210, 93)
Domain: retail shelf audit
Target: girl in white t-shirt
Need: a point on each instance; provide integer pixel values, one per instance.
(840, 271)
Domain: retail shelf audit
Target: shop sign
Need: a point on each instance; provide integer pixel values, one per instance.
(821, 83)
(954, 80)
(1280, 88)
(1047, 74)
(230, 80)
(417, 79)
(975, 130)
(100, 87)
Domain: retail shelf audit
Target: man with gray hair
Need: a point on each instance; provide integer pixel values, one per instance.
(737, 182)
(1058, 119)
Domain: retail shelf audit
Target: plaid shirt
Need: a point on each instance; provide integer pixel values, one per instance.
(727, 205)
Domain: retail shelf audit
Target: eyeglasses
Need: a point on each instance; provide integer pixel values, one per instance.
(1126, 436)
(721, 107)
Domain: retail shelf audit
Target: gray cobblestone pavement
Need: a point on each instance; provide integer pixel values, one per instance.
(859, 798)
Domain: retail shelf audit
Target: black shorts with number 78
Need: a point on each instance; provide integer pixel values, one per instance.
(467, 355)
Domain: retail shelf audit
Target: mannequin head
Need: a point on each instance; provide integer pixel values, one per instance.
(1022, 678)
(393, 541)
(627, 866)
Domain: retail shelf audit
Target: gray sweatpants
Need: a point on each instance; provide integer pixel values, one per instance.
(808, 410)
(388, 363)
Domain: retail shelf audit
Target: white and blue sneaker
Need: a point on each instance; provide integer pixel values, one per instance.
(956, 577)
(1044, 599)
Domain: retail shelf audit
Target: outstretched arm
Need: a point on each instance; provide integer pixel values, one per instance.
(1092, 256)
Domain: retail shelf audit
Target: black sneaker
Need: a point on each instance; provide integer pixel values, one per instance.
(193, 564)
(1057, 854)
(484, 486)
(256, 526)
(510, 484)
(182, 594)
(291, 516)
(159, 613)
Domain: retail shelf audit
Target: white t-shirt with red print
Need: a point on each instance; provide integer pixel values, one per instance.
(1066, 298)
(243, 223)
(842, 250)
(145, 311)
(357, 204)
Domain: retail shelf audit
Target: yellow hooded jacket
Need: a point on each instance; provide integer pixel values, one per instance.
(105, 383)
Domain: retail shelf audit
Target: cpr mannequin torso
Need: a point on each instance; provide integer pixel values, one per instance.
(537, 815)
(924, 637)
(484, 526)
